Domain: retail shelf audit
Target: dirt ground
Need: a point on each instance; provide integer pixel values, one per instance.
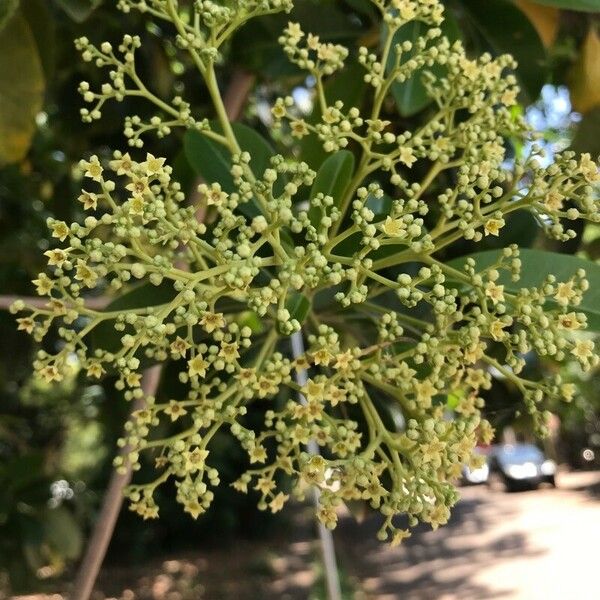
(532, 545)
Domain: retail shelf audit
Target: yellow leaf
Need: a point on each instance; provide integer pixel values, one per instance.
(585, 76)
(543, 18)
(21, 89)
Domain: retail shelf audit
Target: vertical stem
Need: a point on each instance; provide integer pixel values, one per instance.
(332, 578)
(111, 506)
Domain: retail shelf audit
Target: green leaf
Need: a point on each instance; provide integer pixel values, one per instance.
(332, 180)
(7, 10)
(43, 28)
(79, 10)
(583, 5)
(536, 265)
(506, 30)
(411, 95)
(212, 161)
(298, 306)
(21, 89)
(62, 532)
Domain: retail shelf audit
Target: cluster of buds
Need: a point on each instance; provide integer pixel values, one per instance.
(400, 345)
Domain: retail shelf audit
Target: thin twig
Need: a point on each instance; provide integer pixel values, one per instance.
(97, 303)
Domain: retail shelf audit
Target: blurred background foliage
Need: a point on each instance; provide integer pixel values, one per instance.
(56, 443)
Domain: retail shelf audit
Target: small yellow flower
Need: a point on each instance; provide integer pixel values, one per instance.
(133, 379)
(229, 351)
(152, 165)
(266, 386)
(247, 376)
(123, 165)
(589, 168)
(95, 369)
(26, 324)
(509, 96)
(424, 392)
(497, 330)
(299, 128)
(567, 391)
(211, 321)
(60, 230)
(395, 228)
(322, 357)
(195, 459)
(86, 275)
(493, 226)
(407, 156)
(138, 186)
(569, 321)
(469, 68)
(583, 350)
(565, 293)
(407, 9)
(553, 201)
(313, 391)
(175, 410)
(56, 257)
(92, 168)
(399, 536)
(89, 200)
(136, 205)
(336, 395)
(294, 32)
(278, 502)
(50, 373)
(194, 508)
(494, 292)
(43, 284)
(179, 347)
(197, 366)
(257, 454)
(344, 360)
(312, 41)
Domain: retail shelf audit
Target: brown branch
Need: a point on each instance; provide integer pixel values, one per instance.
(97, 303)
(111, 505)
(235, 97)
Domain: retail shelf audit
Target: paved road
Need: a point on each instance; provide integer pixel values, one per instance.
(534, 545)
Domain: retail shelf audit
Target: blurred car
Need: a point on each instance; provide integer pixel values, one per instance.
(474, 476)
(520, 466)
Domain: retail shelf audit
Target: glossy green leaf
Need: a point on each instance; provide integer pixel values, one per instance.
(579, 5)
(298, 306)
(62, 533)
(79, 10)
(212, 161)
(536, 265)
(506, 30)
(43, 28)
(411, 95)
(21, 89)
(7, 10)
(332, 180)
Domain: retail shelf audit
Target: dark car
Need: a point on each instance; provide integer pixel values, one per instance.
(518, 466)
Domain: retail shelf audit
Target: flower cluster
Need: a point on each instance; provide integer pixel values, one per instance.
(400, 344)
